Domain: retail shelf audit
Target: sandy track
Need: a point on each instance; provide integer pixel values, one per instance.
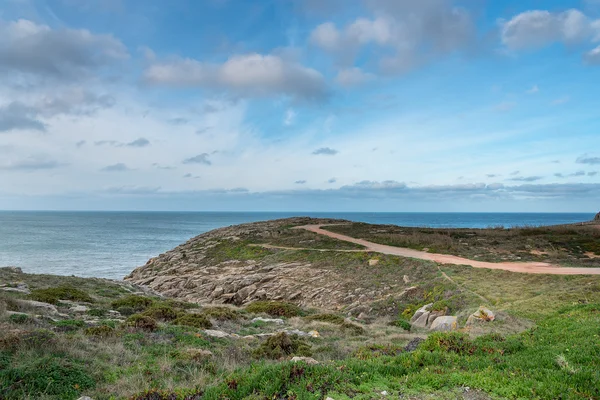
(525, 267)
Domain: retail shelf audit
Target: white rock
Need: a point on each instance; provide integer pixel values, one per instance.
(444, 324)
(85, 398)
(79, 309)
(217, 334)
(277, 321)
(420, 312)
(307, 360)
(39, 305)
(314, 334)
(384, 393)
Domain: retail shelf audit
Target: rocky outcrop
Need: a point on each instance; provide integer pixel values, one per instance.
(198, 271)
(597, 217)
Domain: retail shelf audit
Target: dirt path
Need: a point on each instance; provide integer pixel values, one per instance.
(525, 267)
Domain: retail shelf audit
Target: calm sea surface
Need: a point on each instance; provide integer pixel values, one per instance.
(111, 244)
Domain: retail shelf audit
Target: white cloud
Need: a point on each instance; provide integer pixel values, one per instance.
(538, 28)
(252, 75)
(534, 89)
(30, 48)
(290, 116)
(593, 56)
(353, 76)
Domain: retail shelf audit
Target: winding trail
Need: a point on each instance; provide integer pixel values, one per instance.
(524, 267)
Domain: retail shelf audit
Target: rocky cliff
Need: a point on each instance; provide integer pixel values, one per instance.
(257, 261)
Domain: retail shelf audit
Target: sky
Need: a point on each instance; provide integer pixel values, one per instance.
(300, 105)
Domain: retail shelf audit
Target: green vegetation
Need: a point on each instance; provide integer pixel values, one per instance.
(142, 322)
(283, 345)
(162, 312)
(19, 318)
(402, 323)
(274, 308)
(134, 302)
(331, 318)
(194, 320)
(53, 295)
(221, 313)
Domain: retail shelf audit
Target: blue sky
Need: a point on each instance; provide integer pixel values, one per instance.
(293, 105)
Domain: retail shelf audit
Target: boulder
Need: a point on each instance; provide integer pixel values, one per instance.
(444, 324)
(307, 360)
(277, 321)
(421, 322)
(481, 315)
(373, 262)
(434, 315)
(79, 309)
(597, 217)
(420, 312)
(217, 334)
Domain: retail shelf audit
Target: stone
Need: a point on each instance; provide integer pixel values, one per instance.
(217, 334)
(277, 321)
(434, 315)
(444, 324)
(314, 334)
(79, 309)
(482, 315)
(420, 312)
(85, 398)
(38, 305)
(597, 217)
(373, 262)
(307, 360)
(413, 344)
(421, 321)
(384, 393)
(17, 290)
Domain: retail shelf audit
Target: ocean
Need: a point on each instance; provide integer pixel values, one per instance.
(111, 244)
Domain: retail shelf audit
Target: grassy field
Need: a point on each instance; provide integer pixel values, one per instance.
(565, 245)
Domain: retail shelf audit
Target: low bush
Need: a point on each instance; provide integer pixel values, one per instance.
(142, 322)
(331, 318)
(53, 295)
(162, 312)
(402, 323)
(157, 394)
(221, 313)
(441, 305)
(97, 312)
(100, 331)
(376, 351)
(193, 320)
(19, 318)
(137, 303)
(126, 310)
(69, 325)
(353, 329)
(283, 345)
(274, 308)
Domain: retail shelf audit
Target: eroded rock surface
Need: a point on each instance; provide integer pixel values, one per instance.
(199, 271)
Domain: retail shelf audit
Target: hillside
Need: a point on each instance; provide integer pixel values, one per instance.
(224, 314)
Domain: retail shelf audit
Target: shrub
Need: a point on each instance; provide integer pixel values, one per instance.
(97, 312)
(53, 295)
(194, 320)
(441, 305)
(60, 377)
(184, 305)
(100, 331)
(353, 329)
(274, 308)
(376, 351)
(221, 313)
(162, 312)
(137, 303)
(126, 310)
(402, 323)
(283, 345)
(69, 325)
(156, 394)
(331, 318)
(19, 318)
(455, 342)
(142, 322)
(38, 337)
